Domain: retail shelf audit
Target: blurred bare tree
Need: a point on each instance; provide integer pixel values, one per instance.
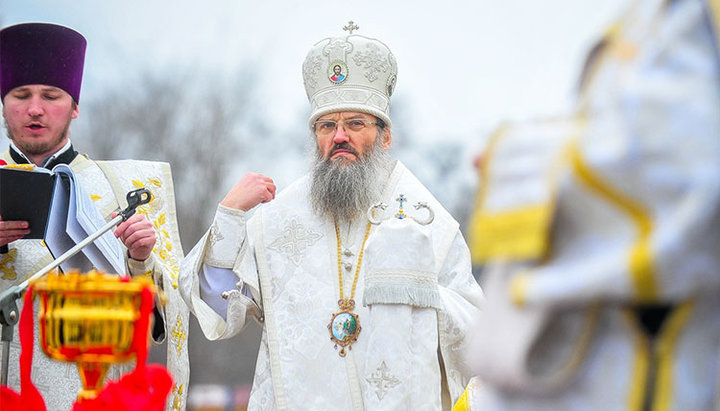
(203, 129)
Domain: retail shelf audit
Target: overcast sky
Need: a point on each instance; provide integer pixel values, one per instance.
(464, 66)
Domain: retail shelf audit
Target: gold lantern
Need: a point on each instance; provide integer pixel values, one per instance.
(91, 319)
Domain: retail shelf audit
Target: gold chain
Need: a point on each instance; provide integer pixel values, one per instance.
(349, 303)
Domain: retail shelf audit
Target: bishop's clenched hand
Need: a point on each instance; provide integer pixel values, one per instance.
(251, 190)
(138, 235)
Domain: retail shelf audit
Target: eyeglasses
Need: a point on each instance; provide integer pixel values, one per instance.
(326, 128)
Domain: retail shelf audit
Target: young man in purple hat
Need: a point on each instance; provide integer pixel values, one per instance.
(41, 68)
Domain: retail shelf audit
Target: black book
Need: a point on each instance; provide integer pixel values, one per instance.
(25, 196)
(61, 213)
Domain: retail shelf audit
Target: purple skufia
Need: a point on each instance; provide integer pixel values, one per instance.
(41, 53)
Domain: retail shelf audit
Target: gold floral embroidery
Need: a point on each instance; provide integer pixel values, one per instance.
(179, 335)
(177, 400)
(6, 265)
(154, 211)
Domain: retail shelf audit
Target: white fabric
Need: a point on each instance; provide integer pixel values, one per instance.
(215, 277)
(288, 261)
(369, 73)
(59, 383)
(401, 278)
(525, 149)
(653, 135)
(65, 148)
(164, 264)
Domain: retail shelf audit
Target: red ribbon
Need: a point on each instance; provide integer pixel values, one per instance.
(144, 389)
(29, 398)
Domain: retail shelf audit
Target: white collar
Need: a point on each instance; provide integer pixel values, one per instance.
(65, 148)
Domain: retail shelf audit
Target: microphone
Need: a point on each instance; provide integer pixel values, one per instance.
(4, 248)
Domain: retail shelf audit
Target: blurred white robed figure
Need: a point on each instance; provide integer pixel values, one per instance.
(599, 232)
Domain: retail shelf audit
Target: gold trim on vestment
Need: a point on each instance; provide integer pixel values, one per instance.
(667, 343)
(640, 257)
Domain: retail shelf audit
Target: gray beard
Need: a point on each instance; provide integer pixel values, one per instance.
(344, 191)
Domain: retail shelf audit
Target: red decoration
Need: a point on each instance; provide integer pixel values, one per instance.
(29, 398)
(146, 388)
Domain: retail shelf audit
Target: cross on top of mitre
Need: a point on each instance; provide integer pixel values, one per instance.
(351, 26)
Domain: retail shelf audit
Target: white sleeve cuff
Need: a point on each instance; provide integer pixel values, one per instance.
(145, 267)
(226, 236)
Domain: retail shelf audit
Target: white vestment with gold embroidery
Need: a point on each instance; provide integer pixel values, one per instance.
(414, 316)
(107, 182)
(632, 219)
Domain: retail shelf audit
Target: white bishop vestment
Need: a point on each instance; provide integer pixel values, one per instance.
(416, 298)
